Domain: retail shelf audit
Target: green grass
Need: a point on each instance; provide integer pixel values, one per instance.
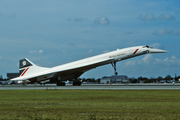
(90, 104)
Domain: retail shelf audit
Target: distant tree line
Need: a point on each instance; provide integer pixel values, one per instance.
(137, 80)
(154, 80)
(1, 78)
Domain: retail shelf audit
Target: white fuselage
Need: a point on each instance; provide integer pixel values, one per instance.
(87, 63)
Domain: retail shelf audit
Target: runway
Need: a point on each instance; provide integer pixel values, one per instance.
(94, 87)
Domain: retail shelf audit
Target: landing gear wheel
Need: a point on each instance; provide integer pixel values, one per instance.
(60, 83)
(76, 83)
(115, 73)
(114, 66)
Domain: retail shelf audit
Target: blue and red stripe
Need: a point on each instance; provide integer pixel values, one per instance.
(24, 72)
(135, 51)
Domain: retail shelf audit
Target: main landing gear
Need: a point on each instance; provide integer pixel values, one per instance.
(60, 83)
(114, 66)
(76, 83)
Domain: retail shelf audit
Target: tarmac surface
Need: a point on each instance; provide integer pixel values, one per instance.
(170, 86)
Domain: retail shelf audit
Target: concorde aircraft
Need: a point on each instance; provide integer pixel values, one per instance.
(33, 73)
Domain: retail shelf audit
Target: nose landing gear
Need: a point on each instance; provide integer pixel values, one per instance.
(114, 66)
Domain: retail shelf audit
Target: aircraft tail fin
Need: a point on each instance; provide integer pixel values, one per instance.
(26, 67)
(25, 63)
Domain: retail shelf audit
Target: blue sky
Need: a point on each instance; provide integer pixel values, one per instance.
(51, 33)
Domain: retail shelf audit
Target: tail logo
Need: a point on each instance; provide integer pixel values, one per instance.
(24, 63)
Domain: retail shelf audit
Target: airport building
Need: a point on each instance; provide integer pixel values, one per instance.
(105, 80)
(12, 75)
(116, 79)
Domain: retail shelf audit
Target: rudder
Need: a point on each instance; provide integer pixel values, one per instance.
(24, 65)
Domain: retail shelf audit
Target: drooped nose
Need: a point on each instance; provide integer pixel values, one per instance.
(152, 50)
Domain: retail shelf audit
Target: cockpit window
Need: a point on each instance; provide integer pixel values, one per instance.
(147, 46)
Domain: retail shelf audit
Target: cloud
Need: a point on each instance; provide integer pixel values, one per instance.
(90, 51)
(150, 17)
(170, 61)
(167, 17)
(64, 51)
(147, 17)
(102, 21)
(163, 32)
(157, 60)
(157, 45)
(76, 19)
(173, 57)
(147, 58)
(41, 51)
(160, 32)
(36, 52)
(130, 63)
(148, 66)
(131, 33)
(7, 14)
